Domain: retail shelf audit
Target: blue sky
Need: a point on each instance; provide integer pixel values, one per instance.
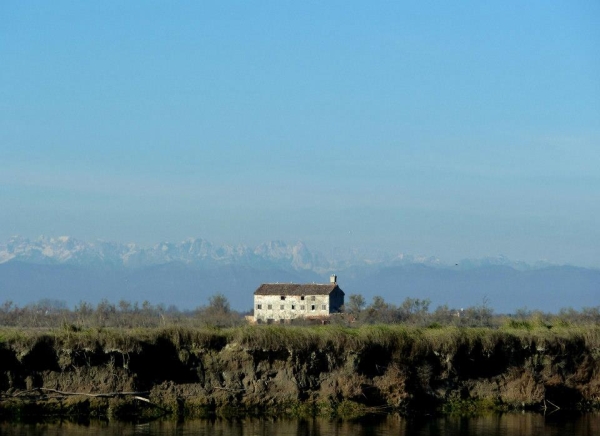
(453, 130)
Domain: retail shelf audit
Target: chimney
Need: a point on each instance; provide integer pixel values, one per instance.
(333, 278)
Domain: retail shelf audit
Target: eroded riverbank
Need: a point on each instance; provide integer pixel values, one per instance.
(284, 370)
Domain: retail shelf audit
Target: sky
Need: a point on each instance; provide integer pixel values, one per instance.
(449, 129)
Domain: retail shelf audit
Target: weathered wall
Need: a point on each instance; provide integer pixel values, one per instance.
(293, 307)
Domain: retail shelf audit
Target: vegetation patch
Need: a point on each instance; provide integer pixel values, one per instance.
(187, 367)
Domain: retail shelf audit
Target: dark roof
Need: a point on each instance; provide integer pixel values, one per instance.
(295, 289)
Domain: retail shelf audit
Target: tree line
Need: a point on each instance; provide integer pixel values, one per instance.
(218, 313)
(124, 314)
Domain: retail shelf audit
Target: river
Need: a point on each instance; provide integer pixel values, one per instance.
(517, 424)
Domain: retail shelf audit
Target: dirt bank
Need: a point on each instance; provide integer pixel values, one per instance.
(325, 371)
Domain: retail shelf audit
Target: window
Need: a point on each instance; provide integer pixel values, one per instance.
(293, 307)
(302, 307)
(259, 306)
(312, 307)
(323, 307)
(283, 297)
(302, 297)
(281, 307)
(269, 307)
(312, 298)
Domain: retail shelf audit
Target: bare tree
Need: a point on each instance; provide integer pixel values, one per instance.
(356, 303)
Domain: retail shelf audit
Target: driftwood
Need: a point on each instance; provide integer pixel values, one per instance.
(61, 394)
(104, 395)
(545, 408)
(70, 394)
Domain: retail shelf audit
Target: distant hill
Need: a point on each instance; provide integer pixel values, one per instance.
(503, 288)
(186, 274)
(184, 286)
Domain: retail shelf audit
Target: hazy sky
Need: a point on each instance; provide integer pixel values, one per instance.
(450, 129)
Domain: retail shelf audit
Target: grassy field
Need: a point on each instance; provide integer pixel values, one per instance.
(415, 340)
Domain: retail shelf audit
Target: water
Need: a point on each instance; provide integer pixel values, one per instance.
(516, 424)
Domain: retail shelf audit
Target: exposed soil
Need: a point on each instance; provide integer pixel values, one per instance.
(230, 378)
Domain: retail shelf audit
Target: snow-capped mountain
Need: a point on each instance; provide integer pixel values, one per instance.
(197, 251)
(63, 249)
(187, 273)
(502, 261)
(71, 251)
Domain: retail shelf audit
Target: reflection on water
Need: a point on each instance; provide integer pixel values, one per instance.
(525, 424)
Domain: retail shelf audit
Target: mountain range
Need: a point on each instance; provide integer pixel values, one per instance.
(187, 273)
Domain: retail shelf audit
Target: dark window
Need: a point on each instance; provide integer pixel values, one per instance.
(259, 306)
(302, 297)
(312, 307)
(293, 307)
(283, 297)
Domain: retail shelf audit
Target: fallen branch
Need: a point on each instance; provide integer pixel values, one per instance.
(101, 395)
(61, 394)
(146, 400)
(545, 408)
(37, 392)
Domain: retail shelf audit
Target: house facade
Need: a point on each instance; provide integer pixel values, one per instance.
(283, 302)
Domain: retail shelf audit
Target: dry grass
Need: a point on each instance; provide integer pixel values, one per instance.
(411, 341)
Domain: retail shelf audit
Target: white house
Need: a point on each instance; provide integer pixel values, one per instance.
(283, 302)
